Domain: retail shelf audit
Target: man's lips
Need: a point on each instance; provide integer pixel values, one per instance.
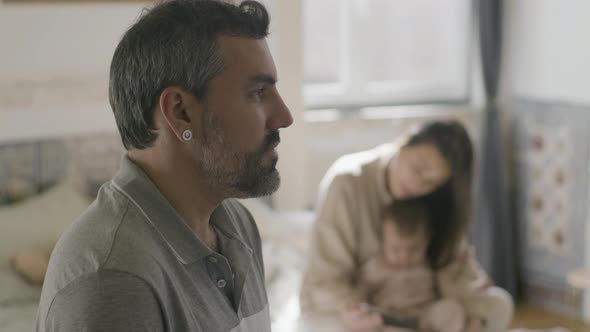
(272, 146)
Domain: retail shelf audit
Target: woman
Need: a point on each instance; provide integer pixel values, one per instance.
(435, 163)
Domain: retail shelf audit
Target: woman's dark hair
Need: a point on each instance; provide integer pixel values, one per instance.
(450, 204)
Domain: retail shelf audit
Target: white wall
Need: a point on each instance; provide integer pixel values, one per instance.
(41, 41)
(54, 62)
(547, 56)
(286, 42)
(547, 52)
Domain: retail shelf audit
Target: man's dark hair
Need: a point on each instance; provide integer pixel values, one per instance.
(173, 44)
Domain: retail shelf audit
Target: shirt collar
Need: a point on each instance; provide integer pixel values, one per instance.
(132, 182)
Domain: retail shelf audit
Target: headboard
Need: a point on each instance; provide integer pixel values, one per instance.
(46, 184)
(32, 167)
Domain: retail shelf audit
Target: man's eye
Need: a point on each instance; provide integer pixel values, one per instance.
(260, 92)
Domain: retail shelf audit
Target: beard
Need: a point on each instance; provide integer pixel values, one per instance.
(237, 174)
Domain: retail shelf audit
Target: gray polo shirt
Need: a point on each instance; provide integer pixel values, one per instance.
(131, 264)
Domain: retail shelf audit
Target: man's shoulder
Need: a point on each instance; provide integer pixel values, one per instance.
(103, 252)
(97, 298)
(86, 243)
(101, 237)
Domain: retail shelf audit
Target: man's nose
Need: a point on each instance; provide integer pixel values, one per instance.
(281, 115)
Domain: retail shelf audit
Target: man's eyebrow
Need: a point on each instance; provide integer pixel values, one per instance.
(263, 78)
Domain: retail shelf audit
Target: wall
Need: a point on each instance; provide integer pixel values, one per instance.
(547, 56)
(546, 67)
(54, 67)
(286, 44)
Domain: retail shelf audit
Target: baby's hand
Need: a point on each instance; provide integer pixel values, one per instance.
(358, 318)
(473, 325)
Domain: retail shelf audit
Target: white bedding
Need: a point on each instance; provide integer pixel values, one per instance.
(18, 302)
(38, 221)
(18, 318)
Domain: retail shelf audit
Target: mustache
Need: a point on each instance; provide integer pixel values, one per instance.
(271, 138)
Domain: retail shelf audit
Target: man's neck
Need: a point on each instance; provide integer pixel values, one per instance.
(183, 188)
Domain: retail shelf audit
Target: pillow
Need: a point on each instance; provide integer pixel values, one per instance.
(15, 290)
(16, 189)
(18, 317)
(31, 264)
(39, 220)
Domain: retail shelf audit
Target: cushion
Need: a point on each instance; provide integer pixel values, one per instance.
(38, 221)
(18, 318)
(15, 289)
(32, 263)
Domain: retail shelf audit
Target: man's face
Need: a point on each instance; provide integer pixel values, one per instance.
(241, 120)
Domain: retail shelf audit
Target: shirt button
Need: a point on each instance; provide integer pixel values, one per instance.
(212, 259)
(221, 283)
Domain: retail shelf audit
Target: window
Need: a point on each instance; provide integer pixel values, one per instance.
(360, 53)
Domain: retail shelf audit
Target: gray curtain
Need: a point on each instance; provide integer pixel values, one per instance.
(493, 231)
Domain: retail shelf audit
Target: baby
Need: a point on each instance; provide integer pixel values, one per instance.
(399, 281)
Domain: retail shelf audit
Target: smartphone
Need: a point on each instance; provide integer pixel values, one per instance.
(393, 320)
(399, 321)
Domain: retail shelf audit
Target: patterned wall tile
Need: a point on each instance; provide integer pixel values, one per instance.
(95, 159)
(19, 174)
(552, 154)
(29, 168)
(52, 163)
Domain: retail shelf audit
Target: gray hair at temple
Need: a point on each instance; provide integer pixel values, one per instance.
(173, 44)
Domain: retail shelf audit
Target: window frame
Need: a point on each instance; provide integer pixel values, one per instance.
(355, 92)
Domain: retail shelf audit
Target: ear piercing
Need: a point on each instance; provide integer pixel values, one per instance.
(187, 135)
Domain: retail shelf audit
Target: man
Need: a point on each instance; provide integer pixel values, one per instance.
(162, 248)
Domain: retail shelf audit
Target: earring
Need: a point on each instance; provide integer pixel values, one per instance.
(187, 135)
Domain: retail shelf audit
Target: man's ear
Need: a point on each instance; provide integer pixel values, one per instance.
(178, 107)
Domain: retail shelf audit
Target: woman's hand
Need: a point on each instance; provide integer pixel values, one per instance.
(358, 319)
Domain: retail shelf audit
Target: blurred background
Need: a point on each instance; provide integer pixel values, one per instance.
(355, 73)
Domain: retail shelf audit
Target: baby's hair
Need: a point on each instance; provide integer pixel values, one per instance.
(409, 216)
